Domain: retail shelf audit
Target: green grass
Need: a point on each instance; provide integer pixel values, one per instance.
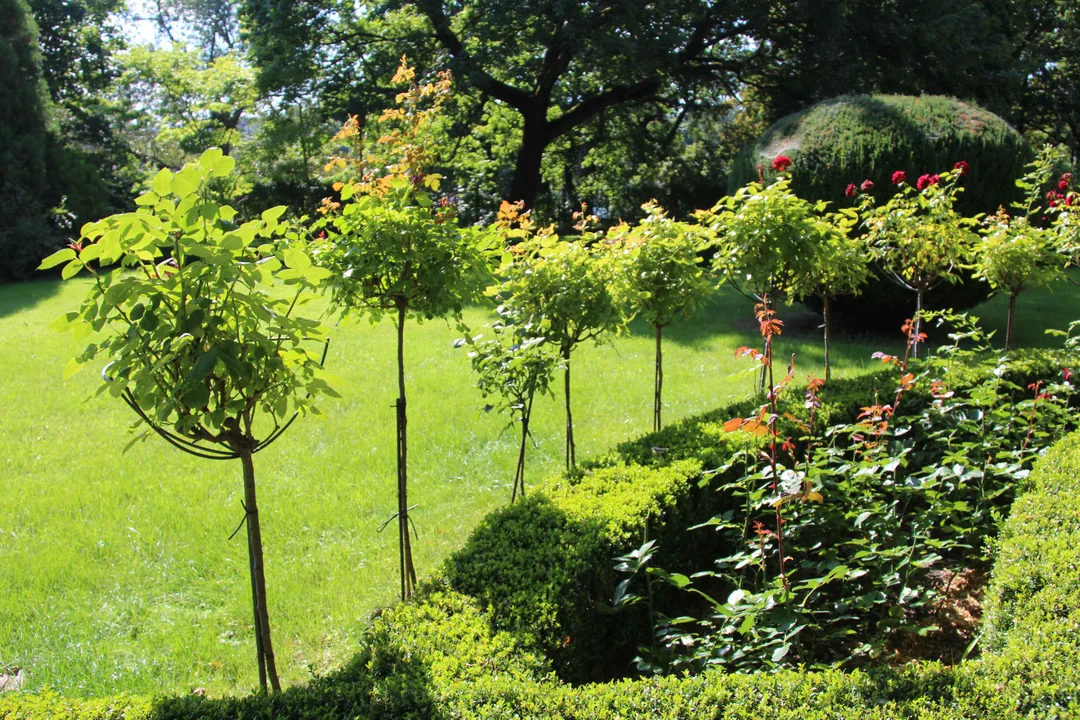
(116, 569)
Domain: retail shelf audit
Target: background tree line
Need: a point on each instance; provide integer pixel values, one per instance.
(557, 102)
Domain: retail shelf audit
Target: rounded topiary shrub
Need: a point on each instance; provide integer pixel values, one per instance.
(867, 137)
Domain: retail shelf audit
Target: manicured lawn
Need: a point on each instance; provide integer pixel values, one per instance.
(116, 569)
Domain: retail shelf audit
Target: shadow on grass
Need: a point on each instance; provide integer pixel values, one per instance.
(389, 681)
(17, 297)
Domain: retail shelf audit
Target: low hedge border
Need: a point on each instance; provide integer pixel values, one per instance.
(443, 655)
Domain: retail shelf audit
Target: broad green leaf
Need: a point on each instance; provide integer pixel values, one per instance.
(272, 215)
(186, 182)
(223, 167)
(71, 269)
(73, 366)
(210, 157)
(203, 366)
(297, 259)
(60, 256)
(63, 323)
(147, 199)
(162, 182)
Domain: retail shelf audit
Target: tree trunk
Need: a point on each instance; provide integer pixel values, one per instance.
(1009, 323)
(527, 182)
(408, 572)
(258, 577)
(658, 385)
(825, 314)
(767, 347)
(519, 474)
(918, 321)
(571, 461)
(257, 622)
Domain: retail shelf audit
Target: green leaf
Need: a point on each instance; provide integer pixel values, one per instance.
(210, 157)
(62, 323)
(162, 182)
(203, 366)
(147, 199)
(272, 215)
(71, 269)
(297, 259)
(186, 182)
(56, 258)
(223, 167)
(73, 366)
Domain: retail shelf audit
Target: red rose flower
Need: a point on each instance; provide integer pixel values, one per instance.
(867, 186)
(781, 163)
(1063, 183)
(899, 177)
(851, 190)
(963, 167)
(926, 181)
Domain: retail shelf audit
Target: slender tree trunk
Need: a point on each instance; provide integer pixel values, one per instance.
(918, 320)
(258, 580)
(825, 314)
(1009, 323)
(767, 348)
(257, 623)
(658, 386)
(408, 572)
(519, 474)
(571, 461)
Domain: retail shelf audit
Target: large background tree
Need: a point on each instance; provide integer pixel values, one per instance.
(25, 234)
(562, 68)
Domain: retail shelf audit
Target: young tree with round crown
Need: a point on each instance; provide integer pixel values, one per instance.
(564, 290)
(200, 321)
(663, 276)
(392, 248)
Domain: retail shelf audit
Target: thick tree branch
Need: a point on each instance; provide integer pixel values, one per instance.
(588, 108)
(480, 78)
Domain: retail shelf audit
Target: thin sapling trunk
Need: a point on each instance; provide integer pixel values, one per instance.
(408, 571)
(659, 384)
(264, 644)
(825, 315)
(519, 474)
(1009, 323)
(571, 461)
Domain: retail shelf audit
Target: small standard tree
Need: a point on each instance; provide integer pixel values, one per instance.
(918, 237)
(843, 267)
(663, 276)
(770, 243)
(1020, 251)
(563, 290)
(393, 249)
(514, 367)
(200, 320)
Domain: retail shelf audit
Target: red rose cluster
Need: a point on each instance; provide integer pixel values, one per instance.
(781, 163)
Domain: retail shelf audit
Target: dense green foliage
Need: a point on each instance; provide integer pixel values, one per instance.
(25, 235)
(201, 347)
